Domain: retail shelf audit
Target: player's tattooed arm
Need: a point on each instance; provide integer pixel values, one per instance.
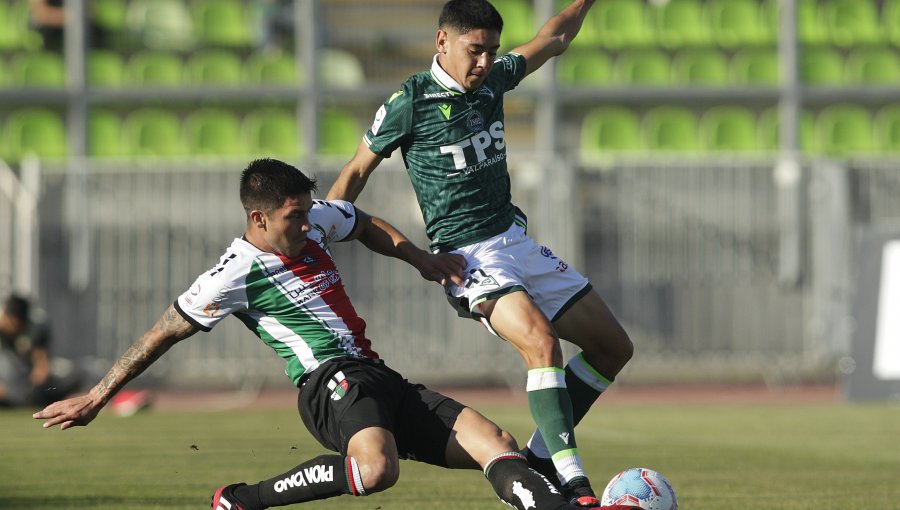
(82, 409)
(168, 330)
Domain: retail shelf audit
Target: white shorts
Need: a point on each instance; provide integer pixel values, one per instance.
(510, 262)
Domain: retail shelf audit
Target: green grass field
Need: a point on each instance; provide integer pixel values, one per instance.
(755, 457)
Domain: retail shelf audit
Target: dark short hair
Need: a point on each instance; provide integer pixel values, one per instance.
(17, 306)
(465, 15)
(267, 183)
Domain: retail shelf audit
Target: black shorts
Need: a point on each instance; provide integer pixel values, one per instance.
(344, 396)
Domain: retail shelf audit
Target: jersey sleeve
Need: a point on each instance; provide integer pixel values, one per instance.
(392, 124)
(215, 294)
(336, 219)
(512, 70)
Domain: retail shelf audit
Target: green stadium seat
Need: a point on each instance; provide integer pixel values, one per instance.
(643, 67)
(617, 24)
(609, 129)
(153, 132)
(843, 129)
(109, 14)
(105, 134)
(890, 20)
(215, 67)
(755, 66)
(15, 33)
(271, 69)
(8, 32)
(811, 27)
(670, 128)
(852, 22)
(584, 68)
(737, 23)
(729, 128)
(272, 132)
(163, 25)
(38, 69)
(154, 69)
(34, 130)
(340, 133)
(706, 66)
(768, 130)
(887, 128)
(681, 23)
(105, 68)
(821, 66)
(340, 69)
(518, 22)
(873, 66)
(213, 132)
(221, 22)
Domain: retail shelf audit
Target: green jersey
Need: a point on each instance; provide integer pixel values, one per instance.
(454, 148)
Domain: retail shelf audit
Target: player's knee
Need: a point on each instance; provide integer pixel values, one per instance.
(379, 474)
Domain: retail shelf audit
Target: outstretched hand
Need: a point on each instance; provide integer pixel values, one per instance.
(443, 268)
(72, 412)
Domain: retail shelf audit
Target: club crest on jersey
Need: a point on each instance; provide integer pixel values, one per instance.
(475, 122)
(338, 386)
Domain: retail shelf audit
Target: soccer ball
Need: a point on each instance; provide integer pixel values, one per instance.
(640, 487)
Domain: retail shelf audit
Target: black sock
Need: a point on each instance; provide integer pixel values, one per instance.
(520, 486)
(319, 478)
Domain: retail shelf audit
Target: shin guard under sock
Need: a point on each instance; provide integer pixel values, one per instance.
(520, 486)
(323, 477)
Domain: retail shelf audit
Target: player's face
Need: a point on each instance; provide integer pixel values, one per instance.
(468, 57)
(287, 226)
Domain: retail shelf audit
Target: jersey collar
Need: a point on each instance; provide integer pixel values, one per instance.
(443, 79)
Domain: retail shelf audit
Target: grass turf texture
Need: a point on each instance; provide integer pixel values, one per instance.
(760, 457)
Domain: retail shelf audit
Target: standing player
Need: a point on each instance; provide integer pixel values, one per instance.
(279, 279)
(448, 124)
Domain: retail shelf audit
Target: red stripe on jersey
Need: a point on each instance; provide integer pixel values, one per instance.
(323, 272)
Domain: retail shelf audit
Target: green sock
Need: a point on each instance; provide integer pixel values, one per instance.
(551, 409)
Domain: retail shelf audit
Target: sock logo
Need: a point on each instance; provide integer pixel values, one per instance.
(312, 474)
(338, 386)
(565, 437)
(524, 495)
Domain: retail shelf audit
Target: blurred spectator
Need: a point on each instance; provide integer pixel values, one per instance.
(27, 376)
(47, 17)
(273, 25)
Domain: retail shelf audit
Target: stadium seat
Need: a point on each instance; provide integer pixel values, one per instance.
(34, 130)
(38, 69)
(609, 129)
(518, 22)
(340, 69)
(707, 67)
(643, 67)
(154, 69)
(163, 25)
(852, 22)
(215, 67)
(271, 69)
(617, 24)
(212, 132)
(15, 33)
(584, 68)
(754, 66)
(890, 20)
(843, 129)
(153, 132)
(681, 23)
(821, 66)
(340, 133)
(887, 128)
(811, 28)
(272, 132)
(105, 68)
(873, 66)
(104, 134)
(729, 128)
(221, 23)
(768, 129)
(8, 33)
(737, 23)
(670, 128)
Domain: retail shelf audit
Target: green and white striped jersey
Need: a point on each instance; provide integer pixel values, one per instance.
(297, 306)
(454, 148)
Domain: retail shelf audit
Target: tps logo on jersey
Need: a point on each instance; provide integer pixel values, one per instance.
(338, 386)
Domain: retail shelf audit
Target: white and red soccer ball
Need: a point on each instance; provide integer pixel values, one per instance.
(640, 487)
